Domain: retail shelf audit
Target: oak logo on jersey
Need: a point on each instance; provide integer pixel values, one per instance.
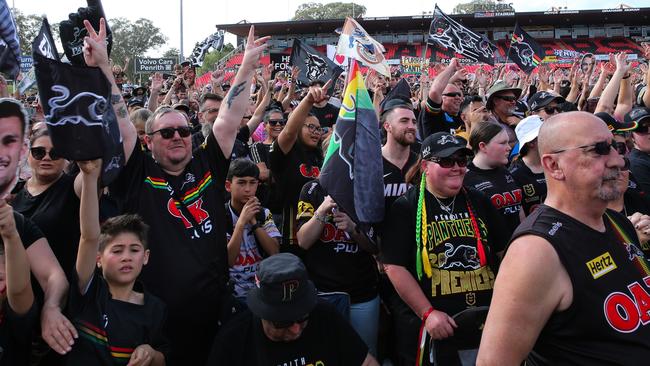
(200, 215)
(309, 171)
(625, 312)
(601, 265)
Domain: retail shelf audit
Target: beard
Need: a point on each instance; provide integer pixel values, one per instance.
(405, 140)
(609, 189)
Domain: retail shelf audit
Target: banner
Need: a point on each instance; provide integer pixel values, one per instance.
(214, 41)
(350, 175)
(524, 50)
(77, 108)
(313, 65)
(413, 65)
(73, 31)
(356, 43)
(9, 44)
(280, 62)
(450, 34)
(340, 60)
(150, 65)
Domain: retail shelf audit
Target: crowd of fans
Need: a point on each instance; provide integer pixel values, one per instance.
(219, 246)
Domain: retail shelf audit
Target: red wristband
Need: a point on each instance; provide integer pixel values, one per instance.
(426, 314)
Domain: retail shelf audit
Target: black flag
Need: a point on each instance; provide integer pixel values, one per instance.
(73, 31)
(214, 41)
(44, 42)
(313, 65)
(9, 45)
(453, 35)
(77, 108)
(524, 50)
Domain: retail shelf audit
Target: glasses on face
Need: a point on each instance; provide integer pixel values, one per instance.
(314, 128)
(287, 324)
(550, 110)
(507, 98)
(453, 95)
(39, 153)
(168, 132)
(275, 122)
(600, 148)
(211, 110)
(450, 161)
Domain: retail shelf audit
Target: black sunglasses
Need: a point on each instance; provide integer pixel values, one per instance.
(550, 110)
(450, 161)
(39, 153)
(168, 132)
(600, 148)
(287, 324)
(621, 147)
(508, 98)
(275, 122)
(453, 95)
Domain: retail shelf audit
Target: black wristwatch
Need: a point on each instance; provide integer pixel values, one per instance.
(256, 226)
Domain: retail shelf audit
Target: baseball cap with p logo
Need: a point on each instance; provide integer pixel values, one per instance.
(283, 290)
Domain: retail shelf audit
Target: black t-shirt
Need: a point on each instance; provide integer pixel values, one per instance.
(27, 230)
(16, 335)
(110, 330)
(326, 115)
(640, 167)
(335, 262)
(500, 187)
(458, 279)
(56, 212)
(532, 184)
(291, 172)
(435, 120)
(188, 267)
(267, 191)
(326, 340)
(394, 180)
(607, 322)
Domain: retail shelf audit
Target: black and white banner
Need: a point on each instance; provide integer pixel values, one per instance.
(214, 41)
(313, 65)
(9, 44)
(73, 31)
(452, 35)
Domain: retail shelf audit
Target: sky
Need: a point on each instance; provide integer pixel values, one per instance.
(200, 16)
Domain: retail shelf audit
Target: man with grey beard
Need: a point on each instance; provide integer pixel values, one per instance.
(573, 285)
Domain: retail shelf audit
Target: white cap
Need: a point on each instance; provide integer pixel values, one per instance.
(527, 129)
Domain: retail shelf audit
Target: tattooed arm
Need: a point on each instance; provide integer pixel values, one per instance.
(95, 54)
(237, 100)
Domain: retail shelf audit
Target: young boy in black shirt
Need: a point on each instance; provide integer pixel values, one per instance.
(117, 321)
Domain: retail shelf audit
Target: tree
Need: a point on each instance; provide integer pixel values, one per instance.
(212, 57)
(133, 39)
(481, 5)
(172, 53)
(27, 26)
(338, 10)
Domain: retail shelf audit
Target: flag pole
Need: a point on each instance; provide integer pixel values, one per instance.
(510, 44)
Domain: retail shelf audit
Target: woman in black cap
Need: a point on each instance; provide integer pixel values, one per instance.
(487, 171)
(439, 249)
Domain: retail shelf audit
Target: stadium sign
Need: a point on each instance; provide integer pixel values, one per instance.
(493, 8)
(149, 65)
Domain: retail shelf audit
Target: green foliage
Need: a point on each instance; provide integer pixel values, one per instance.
(133, 39)
(28, 26)
(212, 57)
(337, 10)
(172, 53)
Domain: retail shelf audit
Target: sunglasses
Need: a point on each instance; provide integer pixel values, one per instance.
(600, 148)
(450, 161)
(275, 122)
(287, 324)
(314, 128)
(550, 110)
(211, 110)
(453, 95)
(621, 148)
(507, 98)
(168, 132)
(39, 153)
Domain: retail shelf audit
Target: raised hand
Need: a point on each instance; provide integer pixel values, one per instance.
(156, 82)
(73, 32)
(318, 94)
(94, 50)
(621, 63)
(254, 49)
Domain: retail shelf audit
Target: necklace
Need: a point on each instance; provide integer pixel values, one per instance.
(449, 209)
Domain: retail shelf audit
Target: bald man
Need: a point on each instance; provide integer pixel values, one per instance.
(573, 286)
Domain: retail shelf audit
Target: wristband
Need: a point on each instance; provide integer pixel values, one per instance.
(256, 226)
(426, 314)
(320, 218)
(626, 76)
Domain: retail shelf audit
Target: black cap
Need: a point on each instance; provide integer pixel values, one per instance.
(135, 102)
(614, 125)
(442, 145)
(542, 99)
(639, 115)
(396, 103)
(283, 290)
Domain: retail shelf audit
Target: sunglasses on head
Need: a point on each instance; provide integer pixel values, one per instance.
(507, 98)
(450, 161)
(287, 324)
(453, 95)
(168, 132)
(39, 153)
(275, 122)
